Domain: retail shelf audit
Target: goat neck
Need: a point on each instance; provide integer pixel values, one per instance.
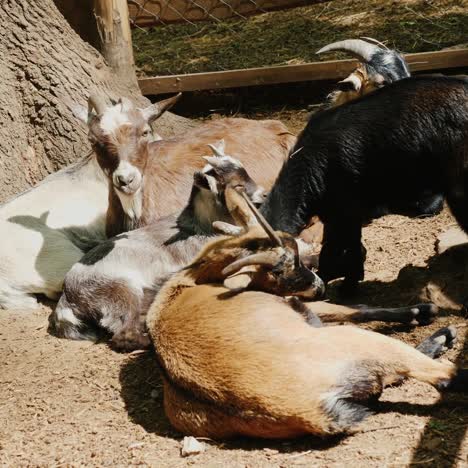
(296, 195)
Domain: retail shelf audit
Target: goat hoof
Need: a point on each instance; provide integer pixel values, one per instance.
(130, 340)
(439, 342)
(423, 314)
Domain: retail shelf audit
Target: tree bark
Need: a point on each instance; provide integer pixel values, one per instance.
(46, 68)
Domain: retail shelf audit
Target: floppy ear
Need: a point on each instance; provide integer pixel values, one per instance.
(240, 280)
(157, 109)
(238, 208)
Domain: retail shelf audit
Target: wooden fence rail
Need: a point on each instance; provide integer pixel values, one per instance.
(331, 70)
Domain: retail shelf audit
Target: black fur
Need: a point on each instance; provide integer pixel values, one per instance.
(387, 149)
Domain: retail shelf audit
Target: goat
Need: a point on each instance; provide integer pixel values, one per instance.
(246, 363)
(384, 149)
(48, 228)
(111, 287)
(378, 67)
(152, 179)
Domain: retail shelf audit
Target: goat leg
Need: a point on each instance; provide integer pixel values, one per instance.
(133, 334)
(420, 314)
(342, 255)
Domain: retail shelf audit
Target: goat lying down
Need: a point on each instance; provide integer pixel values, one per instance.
(48, 228)
(148, 180)
(111, 287)
(247, 362)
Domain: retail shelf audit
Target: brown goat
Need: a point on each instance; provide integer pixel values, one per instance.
(149, 179)
(245, 362)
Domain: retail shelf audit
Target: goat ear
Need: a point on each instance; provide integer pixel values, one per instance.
(228, 229)
(155, 111)
(240, 280)
(238, 208)
(205, 181)
(350, 83)
(199, 180)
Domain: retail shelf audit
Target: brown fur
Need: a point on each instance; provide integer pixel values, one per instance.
(261, 146)
(246, 363)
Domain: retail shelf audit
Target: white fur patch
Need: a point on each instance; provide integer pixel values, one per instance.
(113, 118)
(132, 204)
(127, 171)
(66, 315)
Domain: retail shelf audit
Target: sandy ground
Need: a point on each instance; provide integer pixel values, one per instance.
(67, 403)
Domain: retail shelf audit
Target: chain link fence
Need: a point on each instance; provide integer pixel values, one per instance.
(144, 13)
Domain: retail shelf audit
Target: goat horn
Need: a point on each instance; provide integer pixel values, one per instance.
(356, 47)
(215, 150)
(96, 102)
(263, 222)
(163, 106)
(375, 41)
(269, 259)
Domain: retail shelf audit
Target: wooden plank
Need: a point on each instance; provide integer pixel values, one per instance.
(157, 12)
(331, 70)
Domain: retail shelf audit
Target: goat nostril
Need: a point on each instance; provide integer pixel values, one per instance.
(125, 180)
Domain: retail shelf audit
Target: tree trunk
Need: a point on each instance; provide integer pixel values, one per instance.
(46, 68)
(116, 39)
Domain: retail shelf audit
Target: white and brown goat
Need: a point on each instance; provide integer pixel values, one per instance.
(48, 228)
(149, 180)
(111, 287)
(246, 362)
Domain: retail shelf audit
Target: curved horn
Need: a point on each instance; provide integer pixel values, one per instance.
(375, 41)
(96, 102)
(263, 222)
(356, 47)
(269, 259)
(217, 149)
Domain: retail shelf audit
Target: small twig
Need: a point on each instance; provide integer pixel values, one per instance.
(384, 428)
(297, 455)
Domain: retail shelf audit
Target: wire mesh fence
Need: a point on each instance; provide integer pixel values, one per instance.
(144, 13)
(180, 37)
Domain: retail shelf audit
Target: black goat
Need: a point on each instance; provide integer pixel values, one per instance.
(401, 143)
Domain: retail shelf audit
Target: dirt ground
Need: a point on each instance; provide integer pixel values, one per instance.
(66, 403)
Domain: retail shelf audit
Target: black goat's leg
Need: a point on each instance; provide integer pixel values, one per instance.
(342, 254)
(420, 314)
(435, 345)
